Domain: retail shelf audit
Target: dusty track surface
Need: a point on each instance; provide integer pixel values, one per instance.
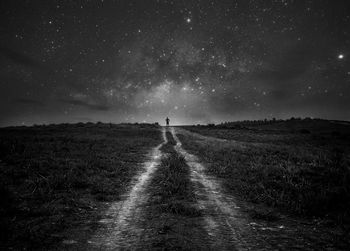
(226, 223)
(228, 227)
(122, 219)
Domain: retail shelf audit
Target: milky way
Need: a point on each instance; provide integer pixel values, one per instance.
(194, 61)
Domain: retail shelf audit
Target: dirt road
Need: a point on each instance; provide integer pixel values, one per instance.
(227, 224)
(122, 220)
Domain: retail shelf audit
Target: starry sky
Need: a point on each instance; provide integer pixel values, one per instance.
(195, 61)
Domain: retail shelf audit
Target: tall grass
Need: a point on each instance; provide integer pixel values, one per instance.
(174, 193)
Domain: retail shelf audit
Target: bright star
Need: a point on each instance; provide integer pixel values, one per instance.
(188, 20)
(340, 56)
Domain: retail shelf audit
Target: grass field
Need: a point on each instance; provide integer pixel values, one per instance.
(53, 178)
(242, 185)
(300, 167)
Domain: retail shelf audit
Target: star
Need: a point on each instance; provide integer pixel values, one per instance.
(215, 53)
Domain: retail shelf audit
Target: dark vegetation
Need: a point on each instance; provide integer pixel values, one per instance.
(54, 178)
(174, 189)
(297, 166)
(171, 209)
(295, 131)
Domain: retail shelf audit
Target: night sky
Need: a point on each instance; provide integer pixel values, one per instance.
(194, 61)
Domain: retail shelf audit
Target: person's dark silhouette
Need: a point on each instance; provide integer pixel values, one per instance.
(167, 120)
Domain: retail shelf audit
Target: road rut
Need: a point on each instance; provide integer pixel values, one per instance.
(121, 222)
(226, 224)
(230, 225)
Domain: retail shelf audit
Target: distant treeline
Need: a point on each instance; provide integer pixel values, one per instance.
(243, 123)
(88, 124)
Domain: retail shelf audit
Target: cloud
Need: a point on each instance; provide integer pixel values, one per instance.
(22, 59)
(28, 101)
(292, 64)
(85, 119)
(87, 104)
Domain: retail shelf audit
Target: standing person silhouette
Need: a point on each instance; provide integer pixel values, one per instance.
(167, 120)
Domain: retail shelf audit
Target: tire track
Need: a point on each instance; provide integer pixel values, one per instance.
(227, 226)
(232, 228)
(122, 219)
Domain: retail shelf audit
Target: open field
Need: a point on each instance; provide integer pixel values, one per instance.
(57, 178)
(298, 166)
(109, 187)
(309, 133)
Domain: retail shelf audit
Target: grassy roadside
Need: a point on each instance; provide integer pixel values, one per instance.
(55, 178)
(171, 210)
(298, 180)
(306, 133)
